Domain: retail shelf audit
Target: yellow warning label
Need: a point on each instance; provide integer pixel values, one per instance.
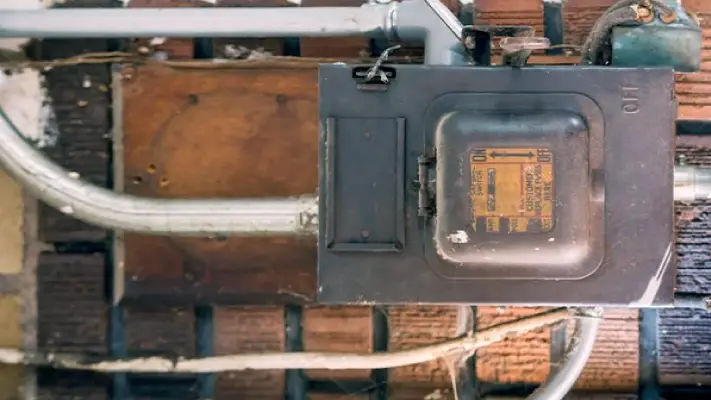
(512, 190)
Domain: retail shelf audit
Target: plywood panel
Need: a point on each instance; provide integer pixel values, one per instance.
(72, 317)
(684, 347)
(227, 134)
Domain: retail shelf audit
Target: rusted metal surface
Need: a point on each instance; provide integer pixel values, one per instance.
(231, 133)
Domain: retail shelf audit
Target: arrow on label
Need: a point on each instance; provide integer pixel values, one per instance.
(495, 154)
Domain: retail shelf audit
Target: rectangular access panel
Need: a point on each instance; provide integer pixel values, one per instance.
(493, 185)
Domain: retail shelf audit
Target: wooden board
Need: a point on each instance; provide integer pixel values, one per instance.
(228, 134)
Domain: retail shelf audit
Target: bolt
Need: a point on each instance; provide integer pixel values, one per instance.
(667, 17)
(644, 14)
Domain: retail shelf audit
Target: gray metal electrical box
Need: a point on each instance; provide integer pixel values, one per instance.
(540, 185)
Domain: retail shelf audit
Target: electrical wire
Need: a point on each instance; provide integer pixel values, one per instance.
(622, 12)
(463, 346)
(580, 346)
(600, 34)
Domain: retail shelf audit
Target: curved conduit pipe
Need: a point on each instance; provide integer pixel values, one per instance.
(561, 379)
(190, 217)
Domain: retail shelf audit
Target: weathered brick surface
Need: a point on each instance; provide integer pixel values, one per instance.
(693, 91)
(415, 326)
(441, 391)
(249, 330)
(524, 358)
(72, 313)
(579, 16)
(338, 329)
(684, 340)
(62, 387)
(614, 362)
(71, 304)
(516, 12)
(169, 331)
(81, 102)
(684, 346)
(160, 331)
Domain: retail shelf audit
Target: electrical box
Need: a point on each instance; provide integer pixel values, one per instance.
(486, 185)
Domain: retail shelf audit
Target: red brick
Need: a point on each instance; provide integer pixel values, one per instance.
(416, 326)
(338, 329)
(614, 362)
(523, 358)
(249, 330)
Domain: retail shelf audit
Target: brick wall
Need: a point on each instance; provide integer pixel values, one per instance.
(77, 318)
(71, 288)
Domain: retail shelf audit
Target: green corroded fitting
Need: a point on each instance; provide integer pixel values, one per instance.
(656, 44)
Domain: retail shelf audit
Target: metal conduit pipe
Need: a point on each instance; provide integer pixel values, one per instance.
(63, 190)
(367, 20)
(692, 183)
(197, 217)
(580, 346)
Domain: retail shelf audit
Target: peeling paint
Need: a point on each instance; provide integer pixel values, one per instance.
(23, 96)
